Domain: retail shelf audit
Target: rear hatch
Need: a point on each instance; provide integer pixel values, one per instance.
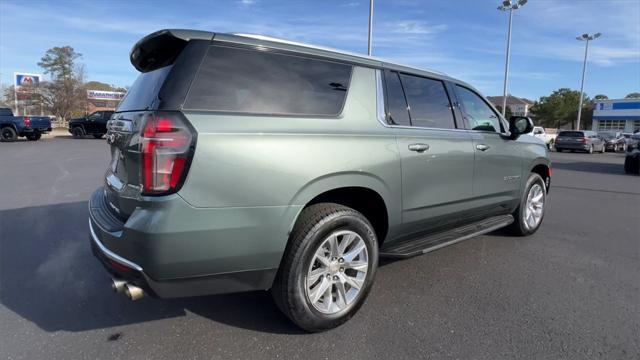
(151, 142)
(570, 137)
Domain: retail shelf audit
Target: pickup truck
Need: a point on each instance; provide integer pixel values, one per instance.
(31, 127)
(93, 124)
(540, 133)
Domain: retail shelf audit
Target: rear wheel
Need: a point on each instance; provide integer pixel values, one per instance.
(8, 134)
(603, 149)
(631, 165)
(328, 268)
(77, 132)
(590, 151)
(34, 136)
(529, 214)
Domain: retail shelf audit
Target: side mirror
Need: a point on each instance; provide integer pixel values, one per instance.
(519, 125)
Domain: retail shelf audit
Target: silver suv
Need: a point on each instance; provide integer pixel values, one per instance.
(241, 162)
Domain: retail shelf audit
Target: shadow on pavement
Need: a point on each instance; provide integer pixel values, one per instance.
(49, 276)
(592, 167)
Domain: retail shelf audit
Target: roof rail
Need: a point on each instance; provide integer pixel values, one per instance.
(325, 48)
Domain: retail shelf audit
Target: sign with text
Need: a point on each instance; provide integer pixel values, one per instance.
(26, 80)
(105, 95)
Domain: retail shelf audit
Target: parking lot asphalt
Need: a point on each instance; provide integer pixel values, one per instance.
(571, 291)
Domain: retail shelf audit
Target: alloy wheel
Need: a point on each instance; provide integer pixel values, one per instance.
(534, 208)
(337, 272)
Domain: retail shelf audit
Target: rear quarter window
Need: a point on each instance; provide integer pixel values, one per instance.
(244, 80)
(144, 90)
(571, 134)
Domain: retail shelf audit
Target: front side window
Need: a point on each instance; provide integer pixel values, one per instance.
(244, 80)
(477, 113)
(95, 116)
(429, 104)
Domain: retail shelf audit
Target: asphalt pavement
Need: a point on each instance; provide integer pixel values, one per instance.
(571, 291)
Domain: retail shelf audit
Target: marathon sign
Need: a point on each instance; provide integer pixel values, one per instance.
(24, 79)
(104, 95)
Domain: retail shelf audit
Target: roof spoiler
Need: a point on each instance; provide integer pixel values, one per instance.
(162, 47)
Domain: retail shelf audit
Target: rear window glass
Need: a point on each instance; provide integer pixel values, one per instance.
(396, 103)
(144, 90)
(264, 82)
(429, 104)
(571, 134)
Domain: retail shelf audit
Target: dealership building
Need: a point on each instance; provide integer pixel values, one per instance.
(616, 115)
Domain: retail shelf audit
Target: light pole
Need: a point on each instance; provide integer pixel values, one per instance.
(587, 38)
(508, 5)
(370, 27)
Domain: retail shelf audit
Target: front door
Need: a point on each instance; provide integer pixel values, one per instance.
(498, 160)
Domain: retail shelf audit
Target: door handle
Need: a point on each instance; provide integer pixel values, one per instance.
(482, 147)
(419, 147)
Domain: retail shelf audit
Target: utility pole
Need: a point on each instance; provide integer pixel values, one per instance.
(587, 38)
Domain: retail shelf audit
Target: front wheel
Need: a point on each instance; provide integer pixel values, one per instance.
(328, 267)
(8, 134)
(590, 151)
(77, 132)
(603, 149)
(529, 214)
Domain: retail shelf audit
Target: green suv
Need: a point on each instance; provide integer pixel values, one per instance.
(242, 162)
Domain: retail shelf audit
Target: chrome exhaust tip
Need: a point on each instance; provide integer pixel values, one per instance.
(118, 285)
(133, 292)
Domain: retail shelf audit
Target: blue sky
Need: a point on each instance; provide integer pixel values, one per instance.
(465, 39)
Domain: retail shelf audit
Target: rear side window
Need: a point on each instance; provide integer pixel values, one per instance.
(263, 82)
(144, 90)
(429, 104)
(398, 114)
(577, 134)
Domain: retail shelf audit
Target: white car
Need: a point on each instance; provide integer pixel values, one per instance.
(540, 133)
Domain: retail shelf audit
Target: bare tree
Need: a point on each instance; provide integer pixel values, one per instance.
(63, 95)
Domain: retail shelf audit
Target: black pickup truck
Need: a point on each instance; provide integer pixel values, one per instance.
(31, 127)
(93, 124)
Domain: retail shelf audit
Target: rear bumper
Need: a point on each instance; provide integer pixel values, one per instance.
(572, 146)
(156, 253)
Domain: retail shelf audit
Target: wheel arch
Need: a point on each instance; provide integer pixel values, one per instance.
(542, 167)
(364, 192)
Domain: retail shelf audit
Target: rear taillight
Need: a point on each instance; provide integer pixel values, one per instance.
(166, 147)
(27, 121)
(583, 140)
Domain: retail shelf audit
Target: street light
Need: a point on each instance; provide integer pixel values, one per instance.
(370, 27)
(587, 38)
(508, 5)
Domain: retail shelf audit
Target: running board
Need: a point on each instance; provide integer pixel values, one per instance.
(423, 245)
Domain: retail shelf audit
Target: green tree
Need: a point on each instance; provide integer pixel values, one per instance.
(600, 97)
(633, 95)
(507, 112)
(561, 109)
(64, 94)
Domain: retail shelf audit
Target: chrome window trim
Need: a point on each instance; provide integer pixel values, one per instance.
(111, 255)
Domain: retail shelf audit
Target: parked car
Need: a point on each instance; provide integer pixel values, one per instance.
(242, 162)
(582, 140)
(93, 124)
(540, 133)
(614, 141)
(632, 158)
(31, 127)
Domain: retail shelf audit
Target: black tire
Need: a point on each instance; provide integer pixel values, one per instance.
(314, 224)
(8, 134)
(77, 132)
(34, 136)
(518, 227)
(559, 150)
(590, 151)
(602, 151)
(631, 165)
(97, 136)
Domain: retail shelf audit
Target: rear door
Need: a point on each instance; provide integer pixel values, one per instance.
(436, 157)
(498, 160)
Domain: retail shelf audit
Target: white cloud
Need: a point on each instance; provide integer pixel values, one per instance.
(247, 2)
(415, 27)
